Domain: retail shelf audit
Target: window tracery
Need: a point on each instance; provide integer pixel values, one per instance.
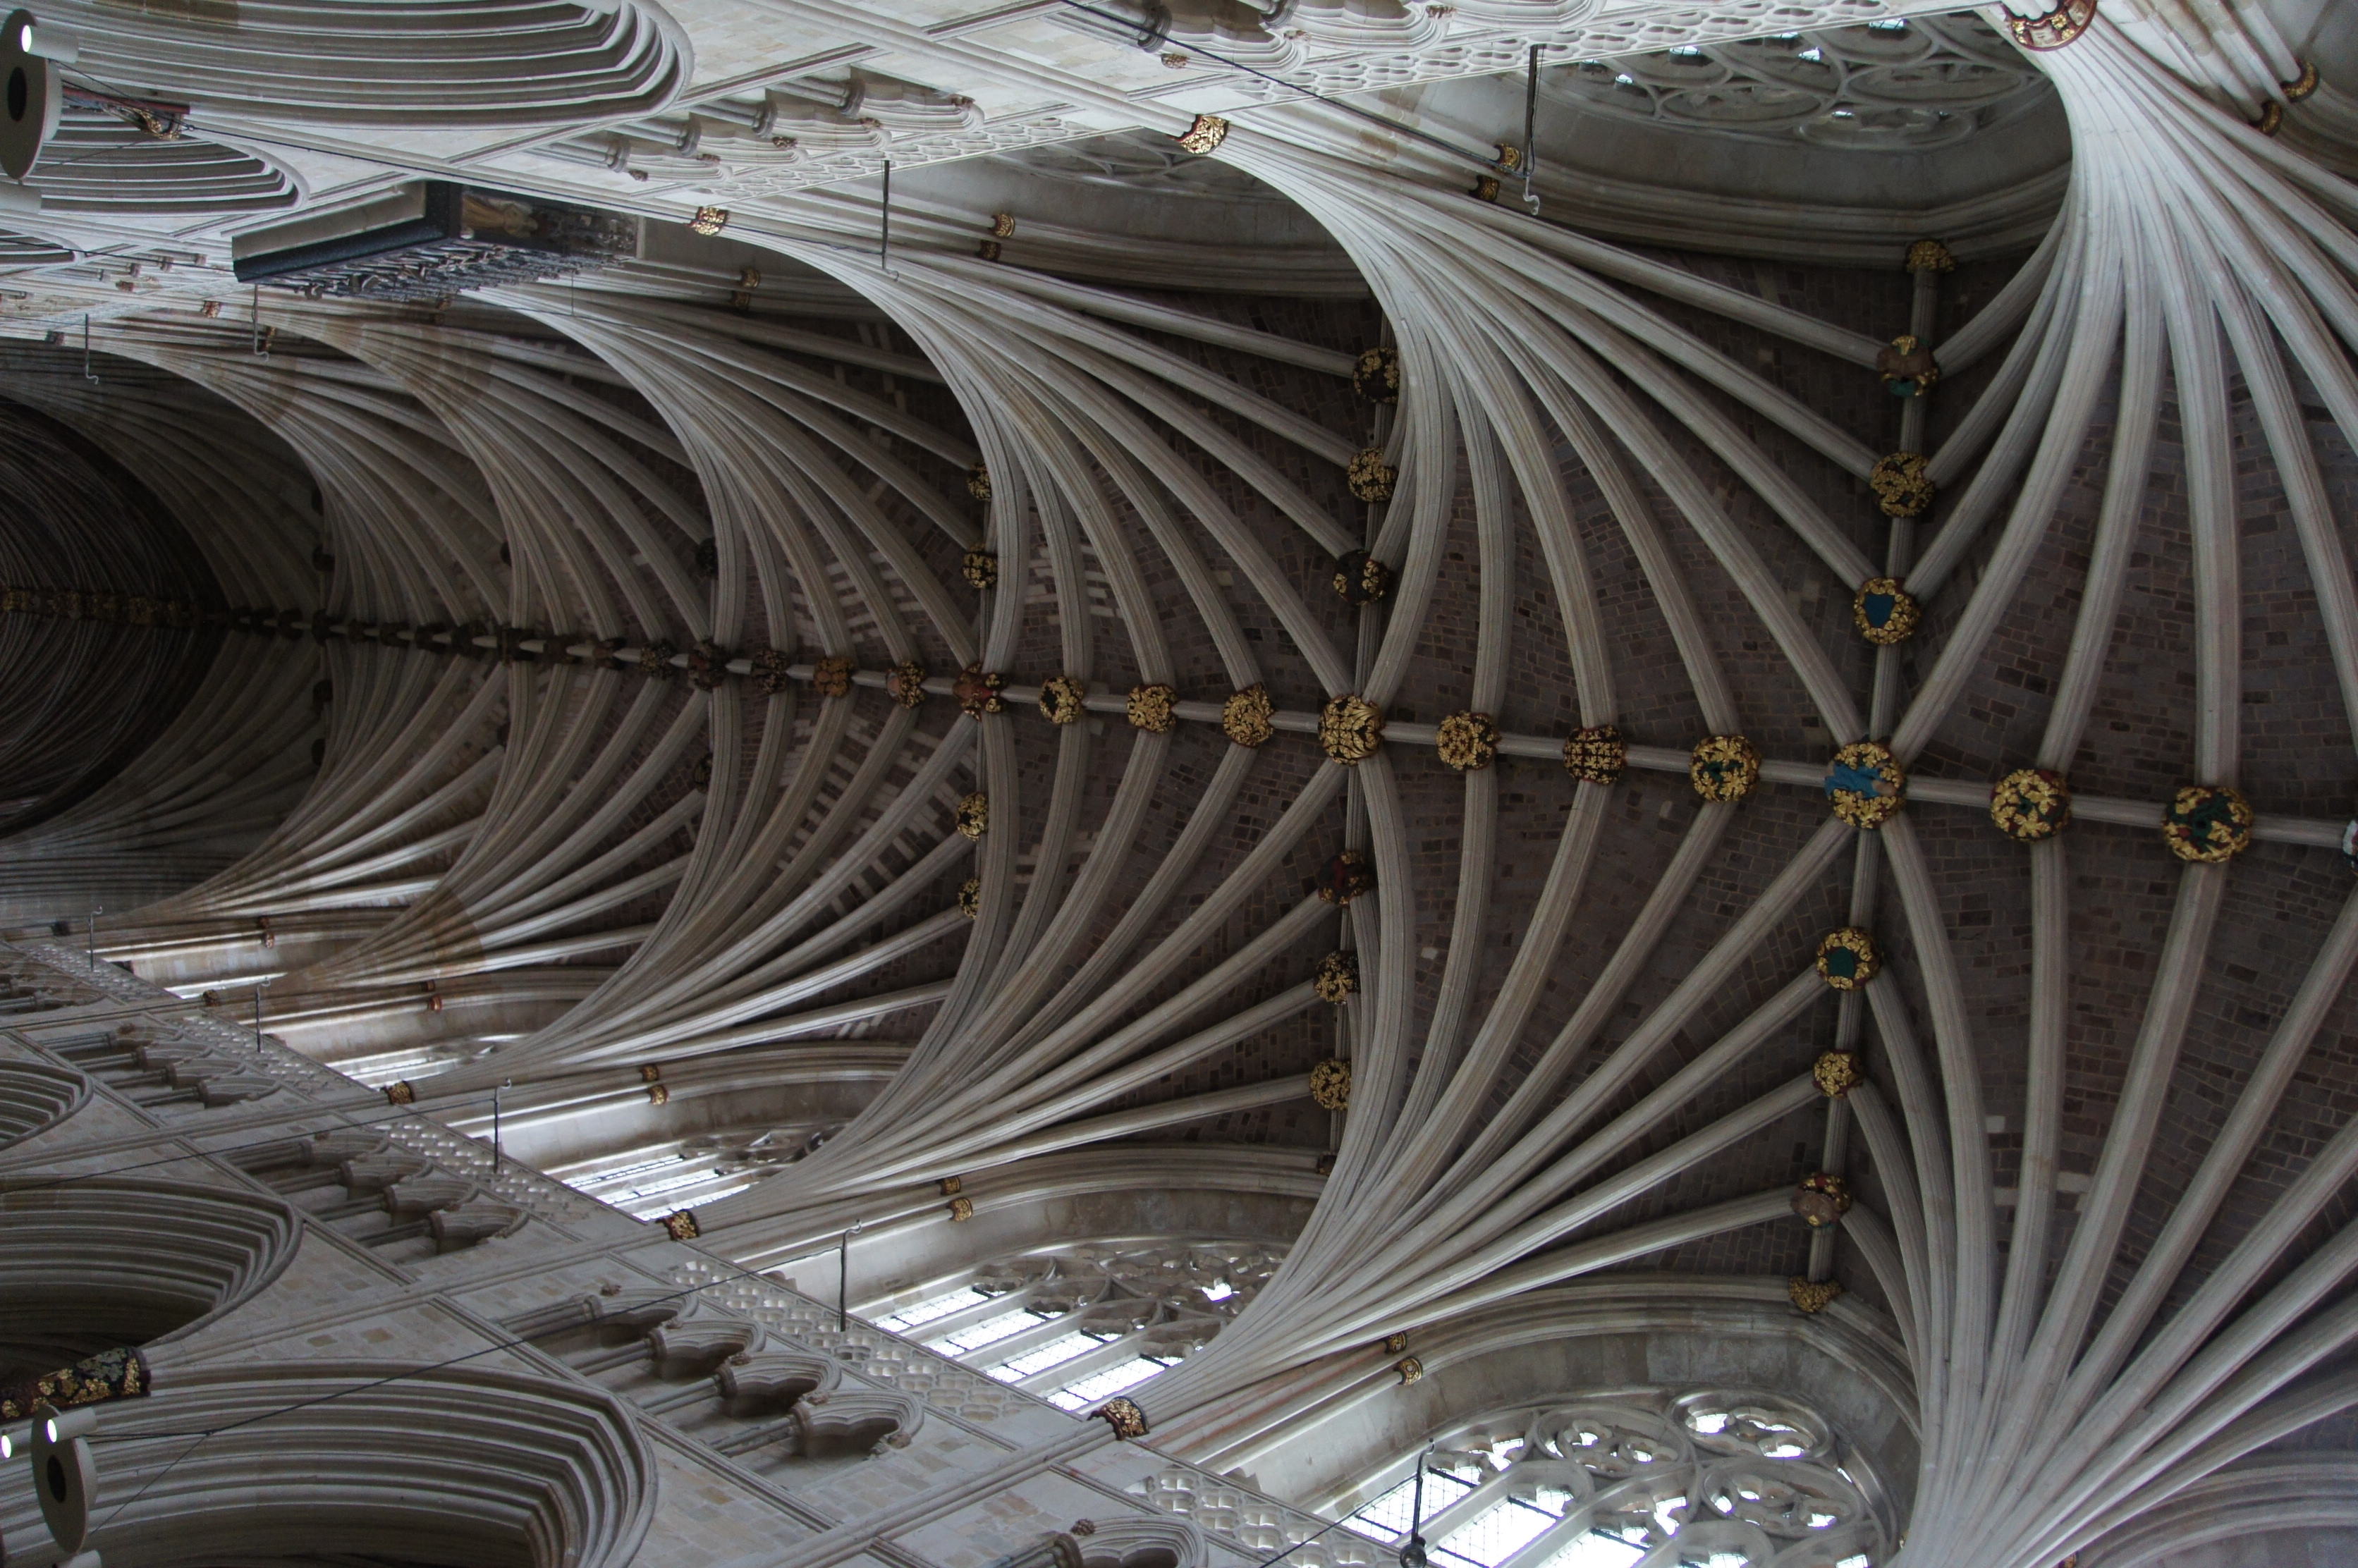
(1079, 1324)
(1889, 85)
(1733, 1478)
(648, 1182)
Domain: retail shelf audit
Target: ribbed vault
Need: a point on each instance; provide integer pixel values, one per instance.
(1518, 761)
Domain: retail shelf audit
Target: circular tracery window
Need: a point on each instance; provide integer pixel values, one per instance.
(1729, 1478)
(1077, 1325)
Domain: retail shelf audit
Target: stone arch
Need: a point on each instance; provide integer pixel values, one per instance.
(470, 1467)
(102, 1263)
(1675, 1335)
(34, 1096)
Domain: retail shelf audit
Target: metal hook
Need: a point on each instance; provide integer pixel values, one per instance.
(87, 373)
(259, 351)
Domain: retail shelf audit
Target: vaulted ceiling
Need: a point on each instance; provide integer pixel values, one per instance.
(1768, 707)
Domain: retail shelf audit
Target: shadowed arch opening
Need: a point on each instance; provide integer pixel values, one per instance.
(88, 1266)
(34, 1096)
(466, 1466)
